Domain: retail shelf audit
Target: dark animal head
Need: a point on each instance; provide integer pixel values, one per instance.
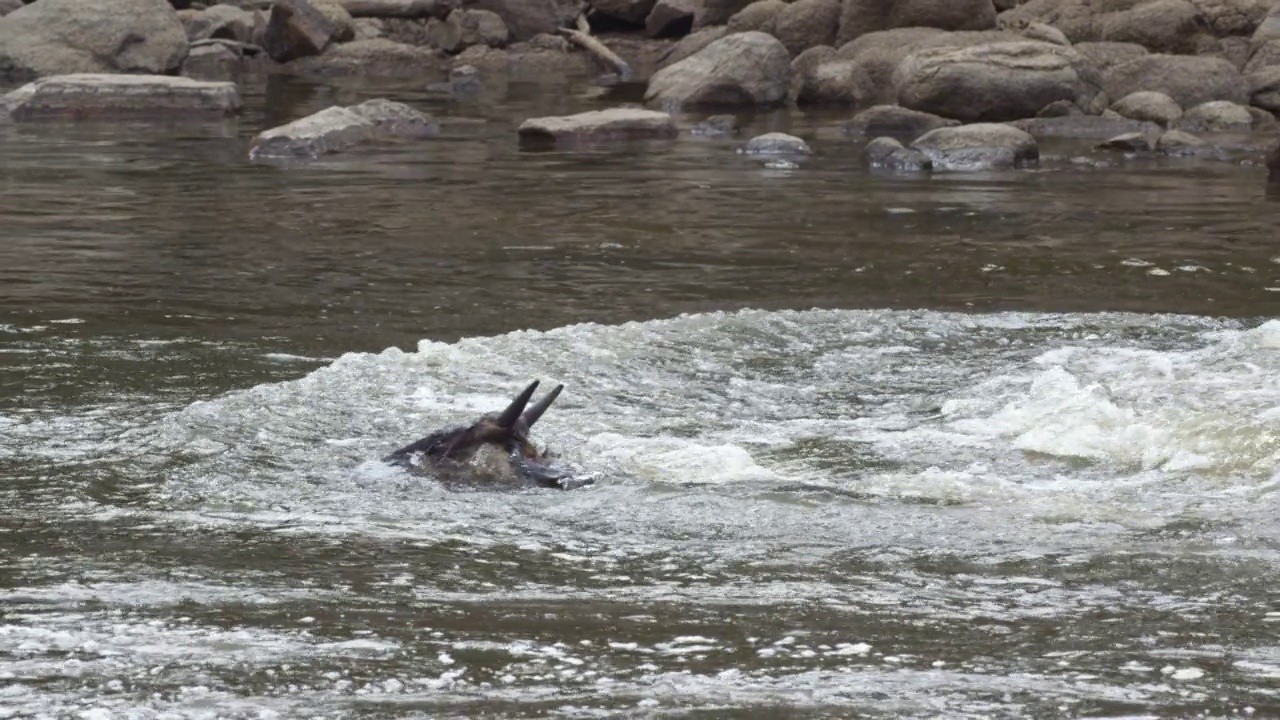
(450, 453)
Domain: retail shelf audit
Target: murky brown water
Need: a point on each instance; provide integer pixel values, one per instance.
(990, 477)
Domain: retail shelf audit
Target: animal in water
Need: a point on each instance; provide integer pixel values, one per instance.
(493, 451)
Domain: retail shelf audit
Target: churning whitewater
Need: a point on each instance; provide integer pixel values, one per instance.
(824, 509)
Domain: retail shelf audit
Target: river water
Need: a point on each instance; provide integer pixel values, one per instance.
(964, 446)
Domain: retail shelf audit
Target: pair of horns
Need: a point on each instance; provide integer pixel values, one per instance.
(516, 410)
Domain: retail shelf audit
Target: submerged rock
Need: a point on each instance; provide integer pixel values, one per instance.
(337, 128)
(612, 125)
(895, 120)
(1177, 142)
(1128, 142)
(464, 82)
(889, 154)
(55, 37)
(717, 126)
(121, 97)
(776, 143)
(982, 146)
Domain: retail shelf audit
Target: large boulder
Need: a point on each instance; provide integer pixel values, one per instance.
(121, 97)
(1105, 55)
(859, 17)
(1172, 26)
(995, 82)
(218, 21)
(1187, 79)
(692, 44)
(335, 129)
(1216, 116)
(981, 146)
(597, 126)
(716, 12)
(54, 37)
(297, 29)
(807, 23)
(1264, 89)
(741, 70)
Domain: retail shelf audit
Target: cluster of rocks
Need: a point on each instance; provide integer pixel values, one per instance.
(1179, 66)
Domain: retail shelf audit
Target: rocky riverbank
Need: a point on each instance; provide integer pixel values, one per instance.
(1135, 75)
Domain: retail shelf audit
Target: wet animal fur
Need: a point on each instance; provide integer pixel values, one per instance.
(452, 454)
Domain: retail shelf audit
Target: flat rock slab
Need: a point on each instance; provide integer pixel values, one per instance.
(612, 125)
(92, 96)
(336, 129)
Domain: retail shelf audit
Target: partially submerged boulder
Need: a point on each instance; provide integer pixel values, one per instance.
(994, 82)
(981, 146)
(746, 69)
(121, 97)
(888, 154)
(776, 143)
(55, 37)
(896, 121)
(1216, 116)
(1083, 127)
(597, 126)
(336, 129)
(1177, 142)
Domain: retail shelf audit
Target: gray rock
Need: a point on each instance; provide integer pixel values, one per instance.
(1059, 108)
(212, 61)
(670, 18)
(716, 12)
(8, 6)
(1149, 105)
(1188, 80)
(1216, 116)
(598, 126)
(54, 37)
(994, 82)
(889, 154)
(981, 146)
(373, 58)
(776, 143)
(464, 81)
(746, 69)
(121, 97)
(336, 129)
(1105, 55)
(297, 29)
(895, 121)
(691, 45)
(219, 21)
(526, 18)
(1177, 142)
(1264, 89)
(1082, 127)
(761, 16)
(717, 126)
(859, 17)
(369, 28)
(465, 28)
(807, 23)
(1128, 142)
(1172, 26)
(397, 8)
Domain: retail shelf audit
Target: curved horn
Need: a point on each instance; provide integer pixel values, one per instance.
(532, 414)
(509, 416)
